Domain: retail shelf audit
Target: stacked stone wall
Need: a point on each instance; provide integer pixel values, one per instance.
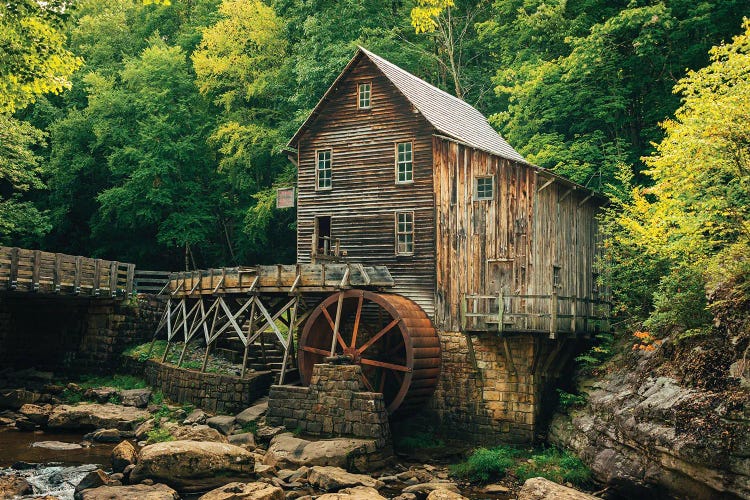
(111, 326)
(335, 404)
(212, 392)
(486, 399)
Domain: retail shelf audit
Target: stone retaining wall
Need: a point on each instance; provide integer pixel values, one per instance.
(212, 392)
(335, 404)
(484, 398)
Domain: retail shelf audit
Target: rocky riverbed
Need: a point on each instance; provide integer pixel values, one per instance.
(118, 444)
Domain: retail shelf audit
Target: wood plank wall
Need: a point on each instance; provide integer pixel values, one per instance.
(364, 195)
(510, 243)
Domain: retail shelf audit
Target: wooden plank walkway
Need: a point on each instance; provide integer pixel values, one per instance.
(35, 271)
(278, 279)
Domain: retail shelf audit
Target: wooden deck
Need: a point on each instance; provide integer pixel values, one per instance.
(35, 271)
(278, 279)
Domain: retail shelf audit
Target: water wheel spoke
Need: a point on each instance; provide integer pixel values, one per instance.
(315, 350)
(333, 327)
(355, 329)
(382, 381)
(383, 364)
(367, 383)
(378, 335)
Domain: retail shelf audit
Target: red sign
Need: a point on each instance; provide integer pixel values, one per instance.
(285, 197)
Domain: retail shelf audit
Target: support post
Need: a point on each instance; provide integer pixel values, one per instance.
(36, 270)
(500, 311)
(13, 278)
(250, 331)
(553, 316)
(337, 322)
(574, 306)
(290, 339)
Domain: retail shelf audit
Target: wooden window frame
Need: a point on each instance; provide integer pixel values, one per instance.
(317, 170)
(396, 161)
(476, 187)
(398, 233)
(369, 95)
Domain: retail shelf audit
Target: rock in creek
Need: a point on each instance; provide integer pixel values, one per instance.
(442, 494)
(93, 479)
(136, 491)
(56, 445)
(424, 489)
(222, 423)
(104, 436)
(335, 478)
(244, 439)
(252, 414)
(12, 486)
(123, 454)
(35, 413)
(242, 491)
(135, 397)
(96, 416)
(538, 488)
(193, 465)
(287, 451)
(194, 433)
(16, 398)
(358, 493)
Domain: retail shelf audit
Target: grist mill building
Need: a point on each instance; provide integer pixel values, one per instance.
(499, 254)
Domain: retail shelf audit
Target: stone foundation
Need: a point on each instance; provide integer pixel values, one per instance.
(485, 399)
(212, 392)
(335, 404)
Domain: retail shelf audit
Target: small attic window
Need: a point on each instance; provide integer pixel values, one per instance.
(365, 93)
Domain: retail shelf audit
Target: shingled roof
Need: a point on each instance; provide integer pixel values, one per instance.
(448, 114)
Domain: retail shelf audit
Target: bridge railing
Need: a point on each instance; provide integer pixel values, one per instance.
(152, 282)
(45, 272)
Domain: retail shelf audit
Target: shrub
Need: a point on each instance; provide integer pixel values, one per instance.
(159, 435)
(679, 303)
(117, 381)
(486, 464)
(555, 465)
(567, 400)
(420, 441)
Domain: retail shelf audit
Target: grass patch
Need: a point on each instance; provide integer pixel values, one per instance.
(421, 440)
(117, 381)
(71, 397)
(159, 435)
(555, 465)
(250, 427)
(485, 465)
(157, 397)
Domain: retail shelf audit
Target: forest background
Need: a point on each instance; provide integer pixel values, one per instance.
(153, 132)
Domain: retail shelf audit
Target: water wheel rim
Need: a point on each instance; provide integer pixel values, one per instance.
(383, 301)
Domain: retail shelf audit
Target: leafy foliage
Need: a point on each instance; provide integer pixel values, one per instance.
(487, 464)
(555, 465)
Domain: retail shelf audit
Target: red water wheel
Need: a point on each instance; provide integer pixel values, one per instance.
(388, 335)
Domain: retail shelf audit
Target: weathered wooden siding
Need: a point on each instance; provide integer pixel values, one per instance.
(364, 195)
(509, 244)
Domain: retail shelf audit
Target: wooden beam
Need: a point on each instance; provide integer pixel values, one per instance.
(546, 185)
(565, 195)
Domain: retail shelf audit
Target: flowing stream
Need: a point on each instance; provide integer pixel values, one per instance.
(51, 471)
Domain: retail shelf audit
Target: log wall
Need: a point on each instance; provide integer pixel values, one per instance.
(364, 196)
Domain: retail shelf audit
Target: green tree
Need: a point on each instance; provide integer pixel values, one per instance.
(34, 59)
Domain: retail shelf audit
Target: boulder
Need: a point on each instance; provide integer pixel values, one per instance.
(35, 413)
(193, 465)
(196, 416)
(194, 433)
(538, 488)
(265, 434)
(222, 423)
(136, 491)
(252, 414)
(16, 398)
(141, 432)
(136, 397)
(13, 486)
(123, 455)
(245, 439)
(24, 424)
(424, 489)
(56, 445)
(104, 436)
(442, 494)
(100, 394)
(496, 489)
(93, 479)
(335, 478)
(358, 493)
(96, 416)
(287, 451)
(241, 491)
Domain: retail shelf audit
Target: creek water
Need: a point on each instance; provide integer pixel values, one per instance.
(50, 471)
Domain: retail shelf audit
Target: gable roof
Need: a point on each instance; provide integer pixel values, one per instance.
(448, 114)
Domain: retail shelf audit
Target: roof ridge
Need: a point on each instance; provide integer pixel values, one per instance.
(372, 55)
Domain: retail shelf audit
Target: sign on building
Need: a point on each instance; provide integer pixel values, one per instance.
(285, 197)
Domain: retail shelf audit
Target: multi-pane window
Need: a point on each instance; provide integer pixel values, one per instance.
(485, 188)
(323, 169)
(404, 164)
(365, 93)
(404, 233)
